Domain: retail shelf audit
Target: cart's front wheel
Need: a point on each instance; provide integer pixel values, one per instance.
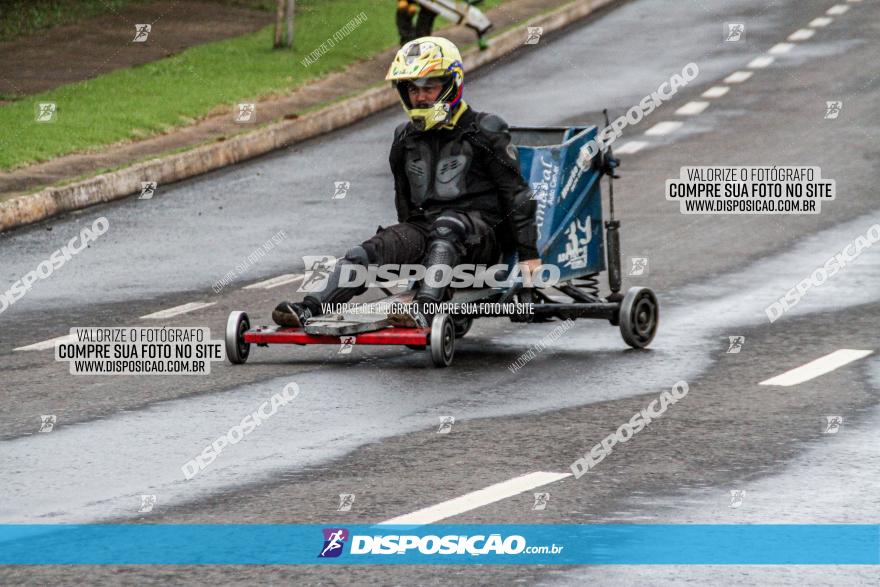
(639, 315)
(237, 350)
(442, 344)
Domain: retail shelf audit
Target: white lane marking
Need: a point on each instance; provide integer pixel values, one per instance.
(737, 77)
(801, 35)
(821, 22)
(716, 91)
(177, 310)
(692, 108)
(631, 147)
(241, 179)
(814, 369)
(46, 344)
(477, 499)
(837, 9)
(664, 128)
(760, 62)
(780, 48)
(275, 281)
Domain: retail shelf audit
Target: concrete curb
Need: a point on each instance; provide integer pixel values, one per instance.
(26, 209)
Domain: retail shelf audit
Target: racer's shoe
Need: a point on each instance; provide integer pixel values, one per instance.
(292, 314)
(413, 318)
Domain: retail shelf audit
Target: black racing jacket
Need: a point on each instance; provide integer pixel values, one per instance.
(473, 166)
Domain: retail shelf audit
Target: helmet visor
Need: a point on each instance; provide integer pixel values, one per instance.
(430, 82)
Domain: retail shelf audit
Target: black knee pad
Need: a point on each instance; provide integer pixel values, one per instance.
(440, 252)
(449, 227)
(358, 255)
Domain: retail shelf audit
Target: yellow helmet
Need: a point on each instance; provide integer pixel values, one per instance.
(426, 58)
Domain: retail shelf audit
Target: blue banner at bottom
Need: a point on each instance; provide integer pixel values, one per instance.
(619, 544)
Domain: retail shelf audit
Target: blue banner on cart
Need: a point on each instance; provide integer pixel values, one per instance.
(839, 544)
(565, 184)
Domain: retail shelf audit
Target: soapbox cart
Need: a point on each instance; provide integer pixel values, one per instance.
(572, 234)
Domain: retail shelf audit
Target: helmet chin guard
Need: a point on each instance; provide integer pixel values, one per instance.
(427, 118)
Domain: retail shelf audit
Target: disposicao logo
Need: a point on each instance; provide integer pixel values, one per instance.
(411, 544)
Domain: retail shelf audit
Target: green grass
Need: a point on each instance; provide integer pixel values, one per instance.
(25, 17)
(153, 98)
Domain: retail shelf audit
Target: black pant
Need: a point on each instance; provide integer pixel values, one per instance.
(408, 242)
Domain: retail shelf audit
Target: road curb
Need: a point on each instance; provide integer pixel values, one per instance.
(27, 209)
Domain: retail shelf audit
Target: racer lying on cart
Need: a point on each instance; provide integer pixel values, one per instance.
(459, 194)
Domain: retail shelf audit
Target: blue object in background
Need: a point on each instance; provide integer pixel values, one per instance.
(566, 186)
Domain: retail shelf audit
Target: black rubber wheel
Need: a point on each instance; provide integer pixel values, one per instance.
(442, 339)
(639, 316)
(462, 325)
(237, 350)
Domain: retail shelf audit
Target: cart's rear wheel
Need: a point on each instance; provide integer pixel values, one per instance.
(639, 315)
(462, 325)
(237, 350)
(442, 338)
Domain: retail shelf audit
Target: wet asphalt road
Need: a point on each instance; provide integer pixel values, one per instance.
(366, 422)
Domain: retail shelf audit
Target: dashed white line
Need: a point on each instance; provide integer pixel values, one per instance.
(240, 179)
(664, 128)
(716, 91)
(801, 35)
(477, 499)
(738, 77)
(837, 9)
(760, 62)
(631, 147)
(46, 344)
(692, 108)
(177, 310)
(275, 281)
(820, 22)
(814, 369)
(780, 48)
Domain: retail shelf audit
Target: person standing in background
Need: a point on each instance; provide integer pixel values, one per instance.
(411, 25)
